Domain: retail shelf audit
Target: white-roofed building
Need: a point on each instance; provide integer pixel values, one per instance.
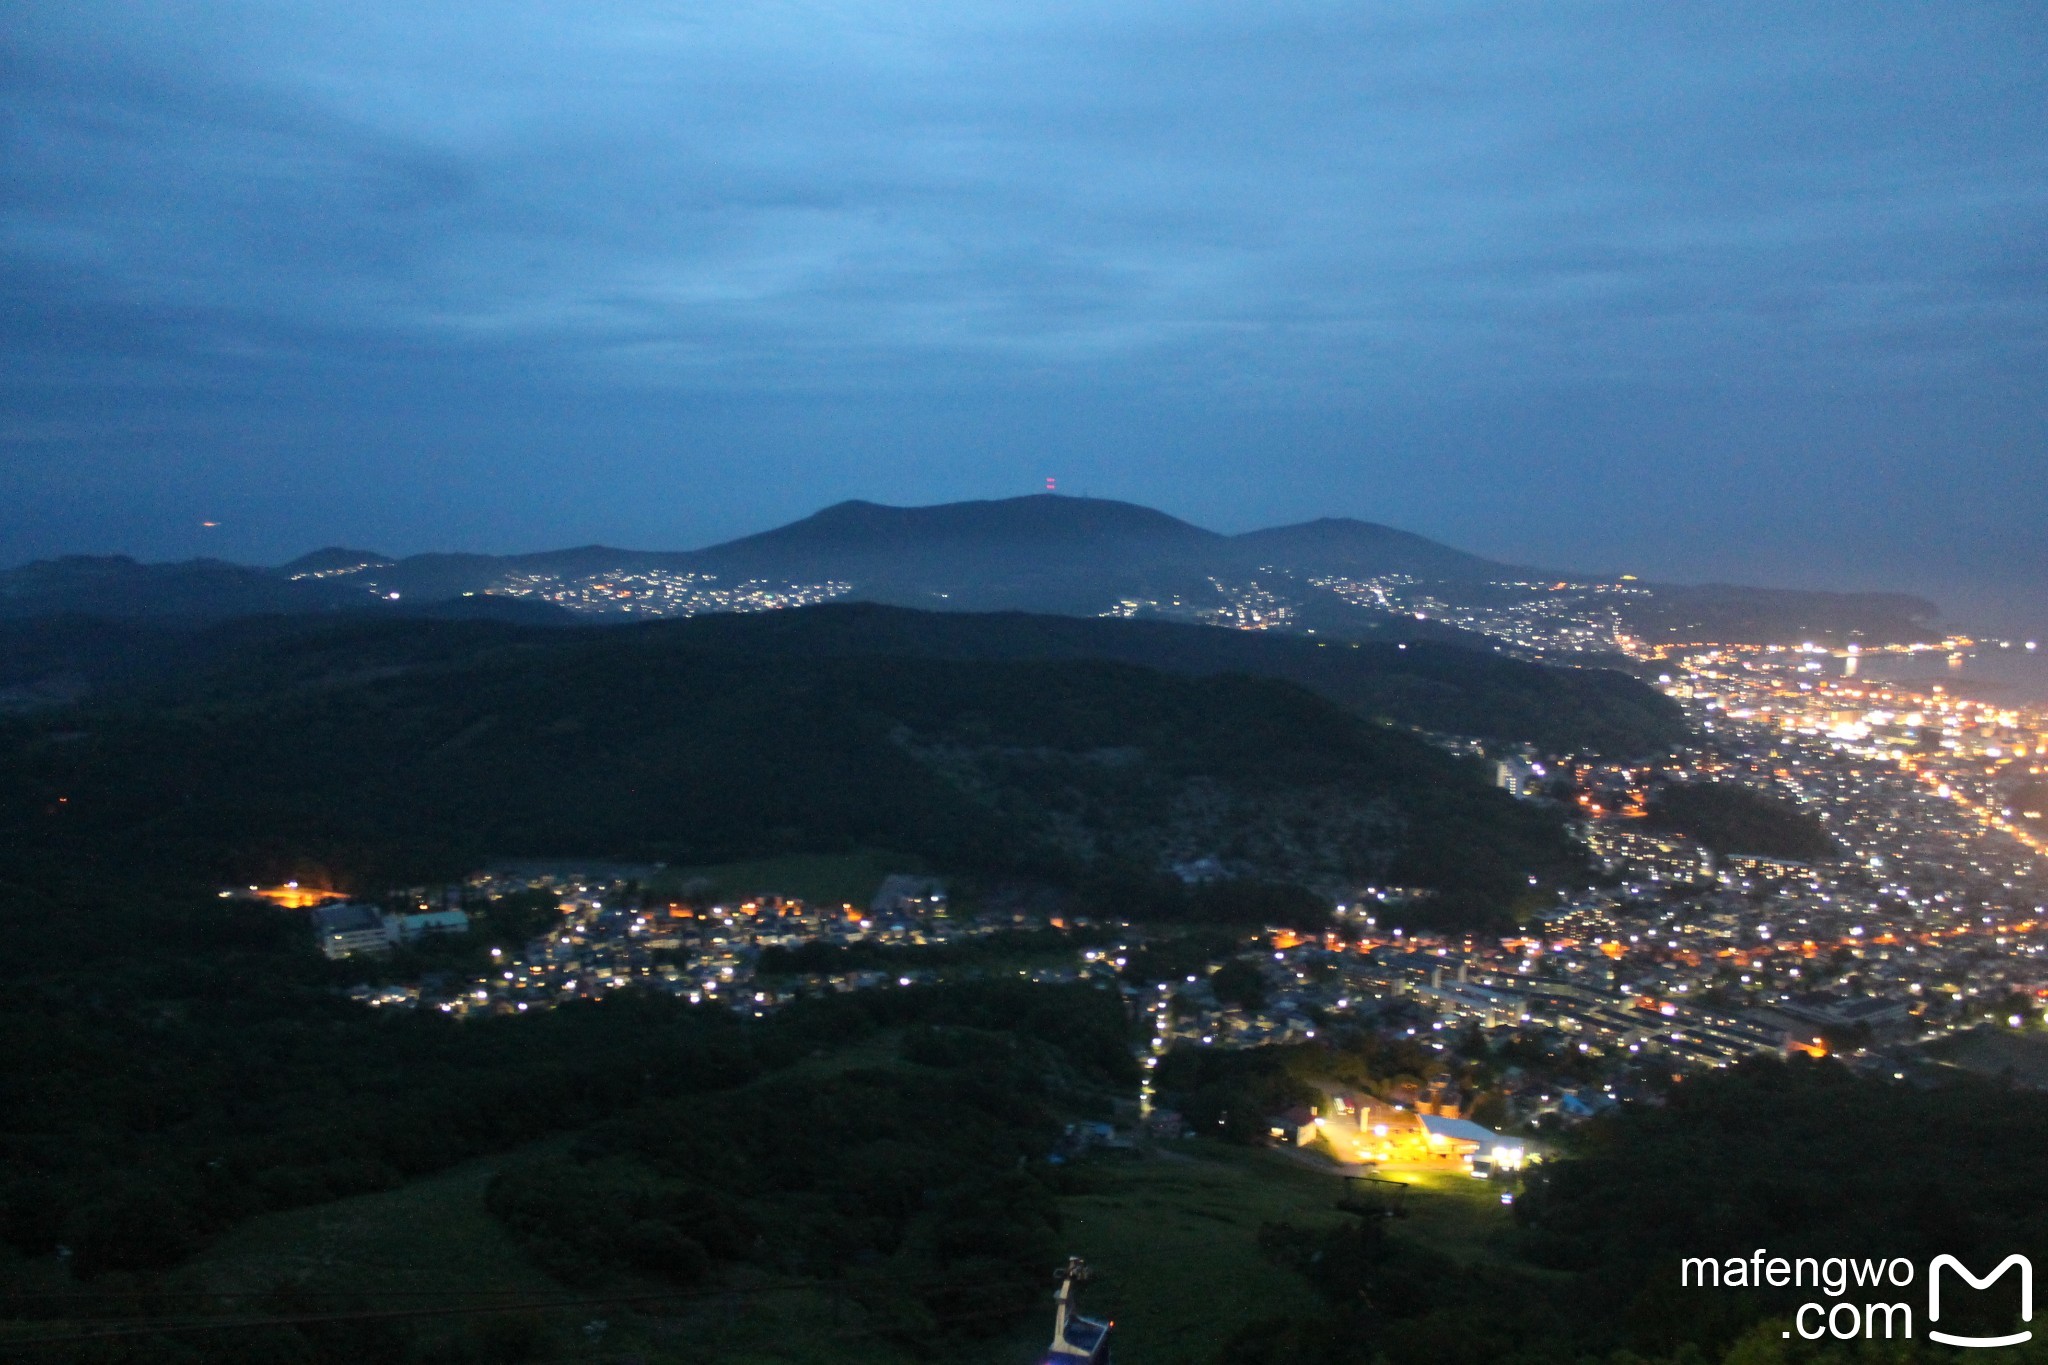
(1487, 1150)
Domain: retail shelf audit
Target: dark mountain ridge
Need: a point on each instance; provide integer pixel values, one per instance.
(389, 750)
(117, 586)
(332, 559)
(1032, 524)
(1043, 553)
(1441, 688)
(1344, 545)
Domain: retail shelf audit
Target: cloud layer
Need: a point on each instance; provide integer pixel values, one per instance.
(445, 272)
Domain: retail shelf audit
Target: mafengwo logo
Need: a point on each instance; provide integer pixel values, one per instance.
(1847, 1320)
(2026, 1269)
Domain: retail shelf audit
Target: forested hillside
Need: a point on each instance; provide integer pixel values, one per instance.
(1433, 684)
(1729, 818)
(1413, 674)
(173, 1068)
(405, 751)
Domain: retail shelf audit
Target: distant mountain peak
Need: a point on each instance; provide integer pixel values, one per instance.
(332, 559)
(1346, 545)
(1036, 516)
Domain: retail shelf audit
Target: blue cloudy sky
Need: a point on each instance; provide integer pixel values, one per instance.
(1743, 291)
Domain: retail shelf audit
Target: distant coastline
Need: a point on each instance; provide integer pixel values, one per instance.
(1995, 675)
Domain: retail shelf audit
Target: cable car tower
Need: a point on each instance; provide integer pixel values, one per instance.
(1076, 1340)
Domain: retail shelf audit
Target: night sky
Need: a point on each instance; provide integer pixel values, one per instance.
(1743, 291)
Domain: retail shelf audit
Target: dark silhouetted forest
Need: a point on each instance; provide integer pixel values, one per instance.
(1729, 818)
(399, 752)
